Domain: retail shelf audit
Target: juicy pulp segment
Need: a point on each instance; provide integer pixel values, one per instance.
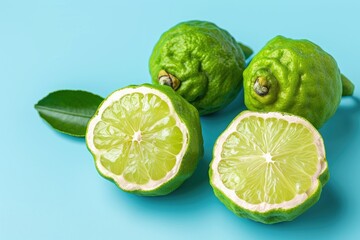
(268, 160)
(138, 138)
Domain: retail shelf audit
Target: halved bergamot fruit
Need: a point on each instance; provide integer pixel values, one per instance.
(269, 167)
(147, 139)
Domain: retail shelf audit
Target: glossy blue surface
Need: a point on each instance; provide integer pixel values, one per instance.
(49, 188)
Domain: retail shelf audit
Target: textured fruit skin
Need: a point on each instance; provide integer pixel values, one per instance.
(195, 151)
(304, 80)
(206, 60)
(275, 215)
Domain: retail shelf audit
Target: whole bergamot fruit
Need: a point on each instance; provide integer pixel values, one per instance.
(295, 76)
(202, 62)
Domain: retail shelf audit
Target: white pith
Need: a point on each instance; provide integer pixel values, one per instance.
(265, 207)
(119, 179)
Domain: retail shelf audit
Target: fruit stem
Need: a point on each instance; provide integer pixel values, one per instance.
(261, 86)
(347, 85)
(168, 79)
(246, 50)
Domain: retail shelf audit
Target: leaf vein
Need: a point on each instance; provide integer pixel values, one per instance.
(40, 108)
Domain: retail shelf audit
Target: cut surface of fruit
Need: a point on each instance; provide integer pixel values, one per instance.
(139, 140)
(269, 162)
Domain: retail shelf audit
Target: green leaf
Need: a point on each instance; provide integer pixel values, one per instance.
(247, 50)
(69, 111)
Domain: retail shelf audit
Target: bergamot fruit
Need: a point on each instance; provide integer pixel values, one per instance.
(269, 167)
(146, 139)
(295, 76)
(201, 62)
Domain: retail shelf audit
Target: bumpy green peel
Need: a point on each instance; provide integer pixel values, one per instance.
(295, 76)
(202, 62)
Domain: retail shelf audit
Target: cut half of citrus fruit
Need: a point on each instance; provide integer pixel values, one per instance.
(147, 139)
(269, 167)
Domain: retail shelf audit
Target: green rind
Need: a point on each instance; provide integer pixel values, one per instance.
(190, 117)
(325, 176)
(206, 60)
(272, 216)
(305, 79)
(275, 215)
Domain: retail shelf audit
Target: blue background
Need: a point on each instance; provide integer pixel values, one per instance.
(49, 188)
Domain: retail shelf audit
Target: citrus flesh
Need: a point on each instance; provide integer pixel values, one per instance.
(140, 139)
(269, 167)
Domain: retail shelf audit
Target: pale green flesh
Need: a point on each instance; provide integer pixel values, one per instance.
(268, 160)
(138, 138)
